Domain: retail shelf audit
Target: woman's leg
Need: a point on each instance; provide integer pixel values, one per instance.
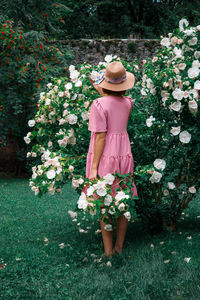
(107, 239)
(122, 224)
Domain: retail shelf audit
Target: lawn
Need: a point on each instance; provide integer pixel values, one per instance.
(44, 256)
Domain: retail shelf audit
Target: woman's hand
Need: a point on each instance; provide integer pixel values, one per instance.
(98, 88)
(93, 174)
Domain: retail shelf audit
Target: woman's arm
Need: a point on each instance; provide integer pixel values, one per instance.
(98, 150)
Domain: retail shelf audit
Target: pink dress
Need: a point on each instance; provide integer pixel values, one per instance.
(110, 114)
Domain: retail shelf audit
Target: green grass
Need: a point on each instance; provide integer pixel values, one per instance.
(36, 269)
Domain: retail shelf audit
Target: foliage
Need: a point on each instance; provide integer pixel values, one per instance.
(27, 62)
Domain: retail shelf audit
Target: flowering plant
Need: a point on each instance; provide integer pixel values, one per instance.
(109, 196)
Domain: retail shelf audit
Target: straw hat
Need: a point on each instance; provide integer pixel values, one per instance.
(115, 77)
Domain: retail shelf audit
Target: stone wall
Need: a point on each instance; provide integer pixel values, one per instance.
(93, 51)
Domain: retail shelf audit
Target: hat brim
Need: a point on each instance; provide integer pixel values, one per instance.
(125, 85)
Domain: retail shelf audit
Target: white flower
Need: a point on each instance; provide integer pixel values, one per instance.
(159, 164)
(72, 119)
(182, 66)
(78, 83)
(103, 210)
(71, 168)
(108, 58)
(71, 68)
(193, 72)
(156, 176)
(143, 92)
(197, 54)
(101, 191)
(34, 154)
(82, 201)
(28, 154)
(175, 130)
(60, 94)
(51, 174)
(50, 144)
(120, 195)
(109, 178)
(121, 207)
(195, 64)
(176, 106)
(75, 183)
(59, 81)
(183, 23)
(80, 181)
(165, 42)
(178, 94)
(149, 121)
(185, 137)
(188, 31)
(178, 52)
(192, 190)
(85, 115)
(187, 259)
(127, 215)
(72, 214)
(193, 107)
(74, 75)
(31, 123)
(90, 191)
(108, 227)
(99, 184)
(171, 185)
(108, 264)
(55, 88)
(197, 85)
(49, 85)
(27, 140)
(68, 86)
(108, 200)
(193, 41)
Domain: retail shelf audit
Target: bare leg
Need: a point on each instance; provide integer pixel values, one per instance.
(122, 224)
(107, 239)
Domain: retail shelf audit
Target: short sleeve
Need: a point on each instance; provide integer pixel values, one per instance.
(131, 102)
(97, 118)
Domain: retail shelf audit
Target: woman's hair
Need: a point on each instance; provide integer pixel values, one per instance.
(113, 93)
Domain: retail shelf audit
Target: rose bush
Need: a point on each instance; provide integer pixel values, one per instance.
(169, 106)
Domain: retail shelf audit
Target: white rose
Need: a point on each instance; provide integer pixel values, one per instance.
(60, 94)
(109, 178)
(27, 140)
(171, 185)
(72, 214)
(28, 154)
(156, 176)
(149, 121)
(127, 215)
(48, 101)
(166, 192)
(85, 115)
(72, 119)
(80, 181)
(82, 201)
(159, 164)
(31, 123)
(71, 68)
(108, 200)
(68, 86)
(59, 81)
(108, 227)
(165, 42)
(193, 41)
(49, 85)
(183, 23)
(74, 75)
(103, 211)
(195, 64)
(55, 88)
(193, 106)
(90, 191)
(50, 144)
(99, 184)
(178, 94)
(197, 85)
(78, 83)
(51, 174)
(192, 190)
(121, 207)
(75, 183)
(94, 75)
(176, 106)
(182, 66)
(40, 172)
(101, 192)
(197, 54)
(120, 195)
(193, 72)
(185, 137)
(34, 154)
(71, 168)
(175, 130)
